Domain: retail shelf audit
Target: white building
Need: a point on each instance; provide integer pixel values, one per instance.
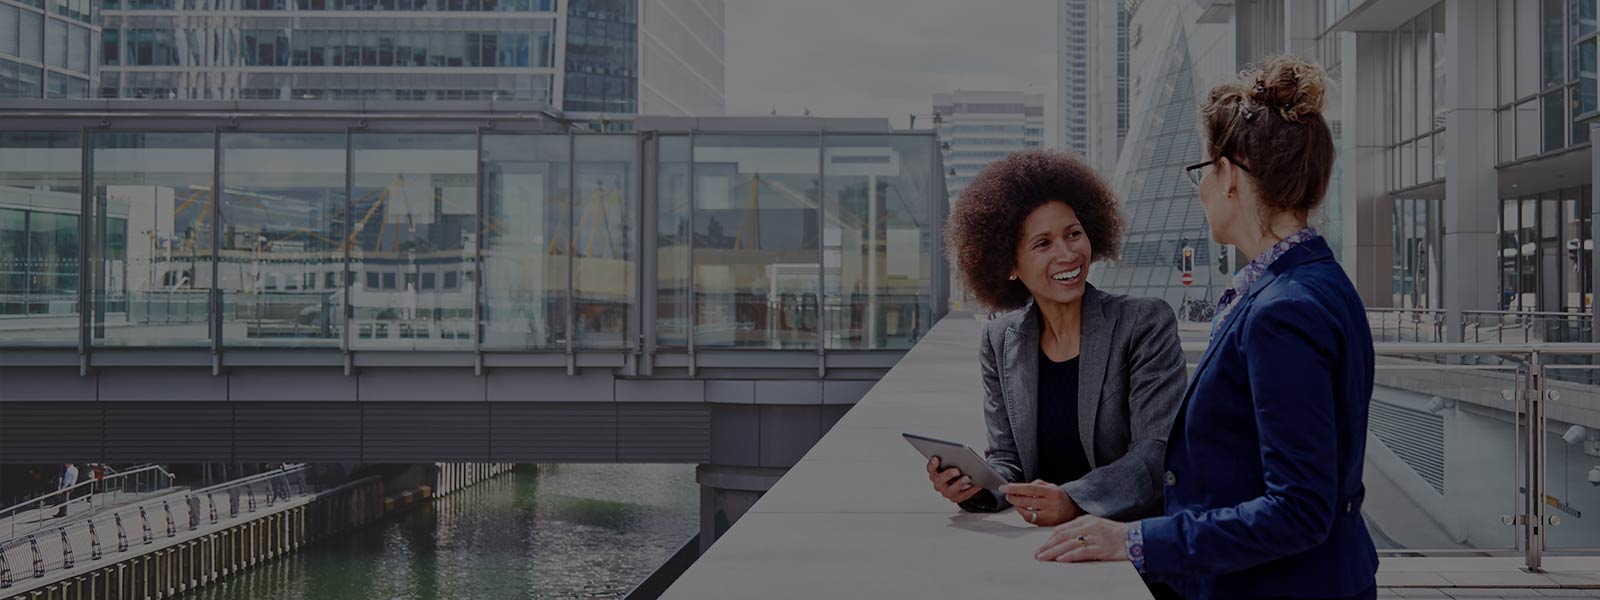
(977, 127)
(583, 56)
(1092, 95)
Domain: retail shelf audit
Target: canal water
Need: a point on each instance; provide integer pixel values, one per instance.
(551, 531)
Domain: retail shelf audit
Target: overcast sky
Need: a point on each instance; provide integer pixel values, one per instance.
(884, 58)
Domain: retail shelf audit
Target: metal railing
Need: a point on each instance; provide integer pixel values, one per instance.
(34, 515)
(1406, 324)
(124, 529)
(1526, 327)
(1478, 396)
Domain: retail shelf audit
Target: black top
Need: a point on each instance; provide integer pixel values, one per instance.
(1061, 457)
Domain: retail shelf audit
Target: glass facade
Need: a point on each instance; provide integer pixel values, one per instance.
(463, 241)
(602, 70)
(1162, 208)
(1547, 252)
(420, 50)
(40, 256)
(279, 262)
(1417, 140)
(1545, 76)
(46, 51)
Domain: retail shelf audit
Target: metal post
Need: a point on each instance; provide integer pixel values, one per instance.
(86, 190)
(346, 307)
(822, 280)
(216, 247)
(477, 265)
(572, 195)
(634, 330)
(649, 256)
(694, 317)
(1535, 468)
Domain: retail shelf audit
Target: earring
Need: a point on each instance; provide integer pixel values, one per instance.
(1013, 277)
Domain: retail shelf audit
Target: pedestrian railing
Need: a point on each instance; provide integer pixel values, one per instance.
(127, 528)
(93, 493)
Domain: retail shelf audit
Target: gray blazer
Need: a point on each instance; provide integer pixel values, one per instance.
(1131, 380)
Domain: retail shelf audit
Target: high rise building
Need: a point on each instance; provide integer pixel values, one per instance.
(47, 48)
(1092, 95)
(977, 127)
(583, 56)
(1174, 58)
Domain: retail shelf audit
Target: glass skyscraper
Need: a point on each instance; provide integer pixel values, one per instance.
(47, 49)
(582, 55)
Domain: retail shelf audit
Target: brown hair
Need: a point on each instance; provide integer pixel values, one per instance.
(1270, 119)
(985, 224)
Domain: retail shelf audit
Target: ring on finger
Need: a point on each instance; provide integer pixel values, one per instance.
(1083, 541)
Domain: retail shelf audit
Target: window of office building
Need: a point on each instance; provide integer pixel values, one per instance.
(1545, 75)
(1417, 70)
(1547, 252)
(602, 62)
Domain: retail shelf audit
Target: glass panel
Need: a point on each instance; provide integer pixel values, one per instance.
(1508, 134)
(40, 200)
(755, 227)
(1584, 64)
(1583, 18)
(876, 256)
(672, 242)
(1527, 48)
(1554, 43)
(1444, 454)
(1572, 445)
(152, 279)
(414, 217)
(603, 273)
(1440, 65)
(283, 215)
(1425, 160)
(1439, 154)
(1408, 84)
(1555, 121)
(1423, 106)
(525, 193)
(1527, 128)
(1506, 37)
(1408, 165)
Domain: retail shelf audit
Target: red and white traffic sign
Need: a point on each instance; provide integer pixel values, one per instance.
(1188, 279)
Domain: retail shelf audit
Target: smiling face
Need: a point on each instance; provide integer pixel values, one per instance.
(1053, 256)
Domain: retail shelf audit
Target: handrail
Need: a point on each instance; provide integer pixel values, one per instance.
(1403, 348)
(1529, 313)
(155, 518)
(43, 502)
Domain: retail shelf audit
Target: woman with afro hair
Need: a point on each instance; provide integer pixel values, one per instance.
(1080, 386)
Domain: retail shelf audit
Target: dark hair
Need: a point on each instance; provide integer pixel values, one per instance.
(1270, 119)
(985, 224)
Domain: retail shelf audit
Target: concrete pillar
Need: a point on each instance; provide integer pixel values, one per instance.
(1364, 154)
(1472, 187)
(727, 493)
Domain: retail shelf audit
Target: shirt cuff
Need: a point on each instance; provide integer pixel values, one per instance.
(1135, 545)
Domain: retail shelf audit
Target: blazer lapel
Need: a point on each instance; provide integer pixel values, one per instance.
(1312, 250)
(1022, 360)
(1094, 349)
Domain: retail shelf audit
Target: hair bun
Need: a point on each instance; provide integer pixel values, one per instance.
(1289, 85)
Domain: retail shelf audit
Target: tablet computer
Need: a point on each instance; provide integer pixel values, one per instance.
(954, 454)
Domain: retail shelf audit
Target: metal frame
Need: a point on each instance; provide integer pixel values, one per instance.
(350, 121)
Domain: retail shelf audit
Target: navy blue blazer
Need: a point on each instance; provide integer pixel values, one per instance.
(1263, 495)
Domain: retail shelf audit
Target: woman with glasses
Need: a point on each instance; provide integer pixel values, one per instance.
(1263, 466)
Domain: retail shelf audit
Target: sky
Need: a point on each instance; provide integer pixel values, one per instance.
(884, 58)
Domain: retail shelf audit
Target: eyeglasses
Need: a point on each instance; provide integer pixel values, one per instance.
(1196, 171)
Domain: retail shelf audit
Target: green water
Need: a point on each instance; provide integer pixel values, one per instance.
(566, 531)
